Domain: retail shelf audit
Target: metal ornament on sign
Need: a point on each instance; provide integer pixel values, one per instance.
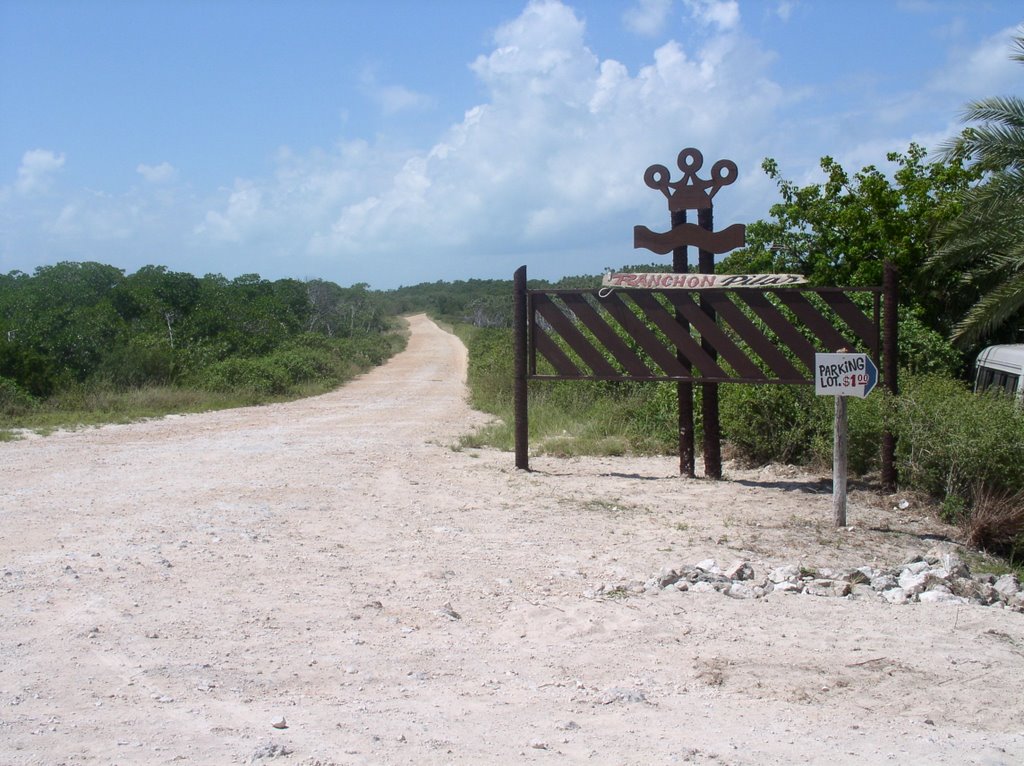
(690, 193)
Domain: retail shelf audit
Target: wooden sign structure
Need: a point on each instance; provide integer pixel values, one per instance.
(694, 328)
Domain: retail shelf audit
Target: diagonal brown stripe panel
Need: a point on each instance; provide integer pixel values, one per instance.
(854, 317)
(779, 324)
(711, 332)
(562, 325)
(682, 339)
(799, 304)
(645, 338)
(563, 365)
(593, 321)
(749, 332)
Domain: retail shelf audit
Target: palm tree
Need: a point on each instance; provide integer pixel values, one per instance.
(985, 242)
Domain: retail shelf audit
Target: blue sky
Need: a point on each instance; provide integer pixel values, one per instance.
(398, 142)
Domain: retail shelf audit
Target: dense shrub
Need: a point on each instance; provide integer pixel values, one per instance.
(771, 423)
(491, 367)
(951, 440)
(262, 377)
(13, 399)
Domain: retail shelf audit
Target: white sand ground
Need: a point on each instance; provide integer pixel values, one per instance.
(171, 588)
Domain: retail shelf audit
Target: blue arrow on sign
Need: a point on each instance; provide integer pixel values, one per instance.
(872, 378)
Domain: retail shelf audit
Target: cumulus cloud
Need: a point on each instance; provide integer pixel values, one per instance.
(551, 161)
(157, 174)
(647, 17)
(723, 14)
(37, 169)
(987, 68)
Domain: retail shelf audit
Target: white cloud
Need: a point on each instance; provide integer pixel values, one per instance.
(240, 217)
(723, 14)
(553, 160)
(987, 68)
(784, 10)
(157, 174)
(647, 17)
(392, 99)
(38, 166)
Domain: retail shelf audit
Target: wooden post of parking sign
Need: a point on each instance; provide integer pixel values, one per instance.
(842, 375)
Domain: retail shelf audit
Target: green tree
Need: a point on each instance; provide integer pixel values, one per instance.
(841, 232)
(983, 246)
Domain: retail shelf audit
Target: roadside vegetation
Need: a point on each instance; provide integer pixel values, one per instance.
(85, 343)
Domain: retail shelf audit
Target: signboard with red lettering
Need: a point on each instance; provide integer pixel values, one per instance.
(844, 375)
(661, 281)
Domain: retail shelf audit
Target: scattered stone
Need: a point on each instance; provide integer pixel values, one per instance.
(620, 694)
(787, 573)
(739, 570)
(538, 744)
(567, 726)
(449, 612)
(740, 590)
(1007, 585)
(274, 750)
(702, 587)
(939, 576)
(279, 723)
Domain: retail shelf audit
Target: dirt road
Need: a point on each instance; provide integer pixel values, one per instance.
(172, 589)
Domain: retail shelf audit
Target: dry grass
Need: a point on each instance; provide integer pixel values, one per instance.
(996, 522)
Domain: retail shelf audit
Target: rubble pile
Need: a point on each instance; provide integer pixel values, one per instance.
(939, 575)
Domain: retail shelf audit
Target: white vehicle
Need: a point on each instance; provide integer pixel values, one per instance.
(1001, 368)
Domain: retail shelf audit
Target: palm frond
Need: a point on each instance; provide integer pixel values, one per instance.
(991, 312)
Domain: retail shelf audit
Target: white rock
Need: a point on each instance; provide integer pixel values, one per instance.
(913, 583)
(279, 723)
(709, 565)
(739, 590)
(781, 574)
(739, 570)
(787, 587)
(940, 597)
(883, 582)
(1007, 585)
(895, 596)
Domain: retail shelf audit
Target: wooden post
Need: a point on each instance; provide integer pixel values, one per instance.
(840, 450)
(709, 391)
(684, 390)
(519, 394)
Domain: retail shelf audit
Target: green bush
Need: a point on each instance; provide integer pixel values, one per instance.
(951, 440)
(13, 399)
(771, 423)
(491, 367)
(654, 418)
(262, 377)
(866, 419)
(140, 362)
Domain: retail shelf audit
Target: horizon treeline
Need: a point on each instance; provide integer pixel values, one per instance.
(87, 324)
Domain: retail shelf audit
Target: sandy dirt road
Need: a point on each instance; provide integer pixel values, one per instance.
(171, 589)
